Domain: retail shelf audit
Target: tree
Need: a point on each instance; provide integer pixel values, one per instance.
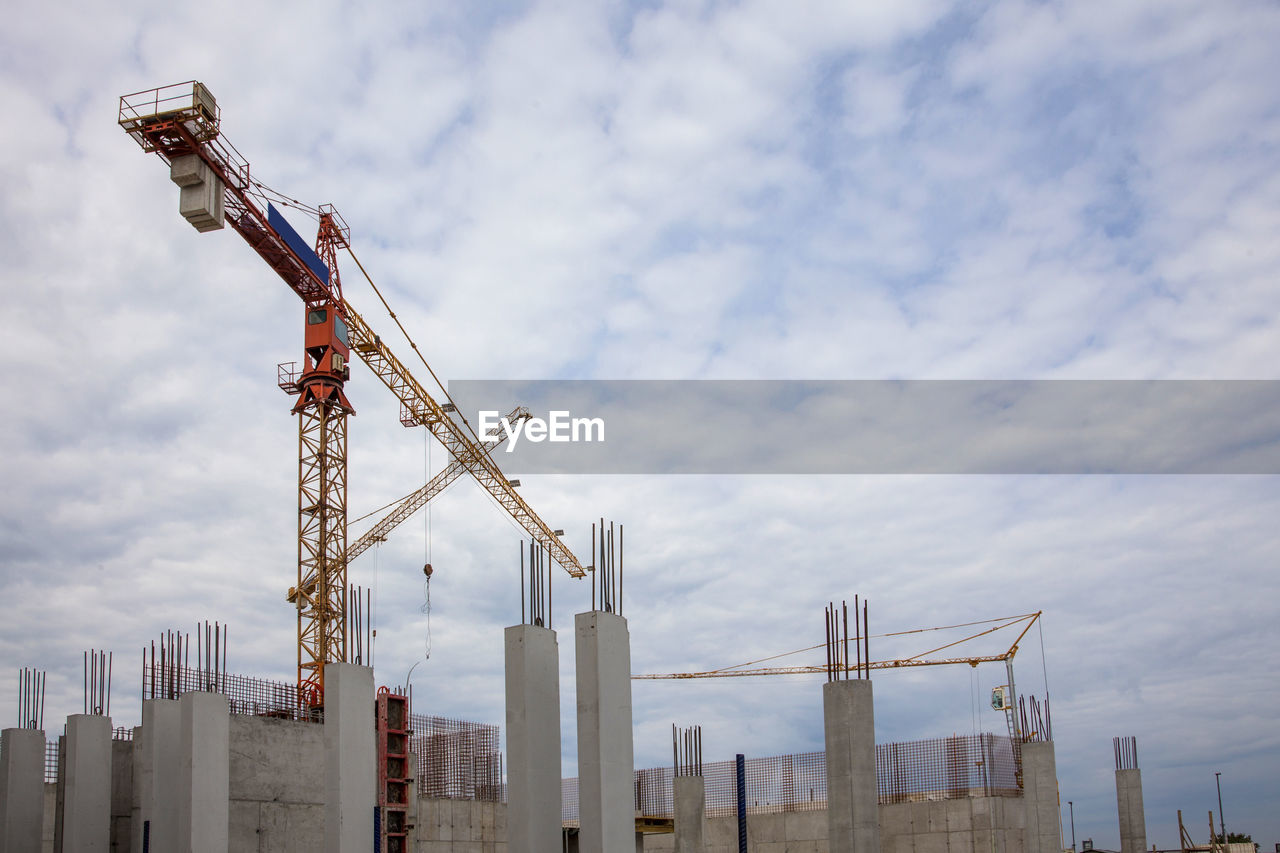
(1236, 838)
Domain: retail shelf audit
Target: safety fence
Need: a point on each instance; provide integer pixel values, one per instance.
(948, 768)
(937, 769)
(457, 759)
(51, 761)
(256, 697)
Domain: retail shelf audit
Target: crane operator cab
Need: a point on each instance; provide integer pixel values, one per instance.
(328, 343)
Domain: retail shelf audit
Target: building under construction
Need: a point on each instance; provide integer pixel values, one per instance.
(333, 762)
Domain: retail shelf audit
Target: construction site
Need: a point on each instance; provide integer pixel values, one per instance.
(334, 761)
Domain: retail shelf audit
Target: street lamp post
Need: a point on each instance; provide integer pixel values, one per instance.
(1222, 821)
(1071, 805)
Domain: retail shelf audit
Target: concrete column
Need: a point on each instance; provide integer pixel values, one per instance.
(853, 812)
(203, 773)
(1133, 820)
(350, 758)
(86, 808)
(158, 774)
(136, 793)
(21, 790)
(533, 740)
(606, 798)
(122, 793)
(1040, 798)
(689, 801)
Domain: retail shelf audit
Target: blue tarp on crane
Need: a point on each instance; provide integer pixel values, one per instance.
(294, 240)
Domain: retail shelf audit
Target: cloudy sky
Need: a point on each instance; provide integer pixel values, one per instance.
(692, 190)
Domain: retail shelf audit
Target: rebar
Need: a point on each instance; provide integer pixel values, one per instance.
(31, 698)
(1126, 749)
(686, 747)
(97, 682)
(837, 641)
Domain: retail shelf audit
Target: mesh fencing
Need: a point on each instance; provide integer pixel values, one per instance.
(457, 759)
(937, 769)
(51, 761)
(257, 697)
(947, 768)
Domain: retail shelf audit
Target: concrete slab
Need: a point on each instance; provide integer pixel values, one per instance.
(350, 757)
(22, 790)
(605, 746)
(86, 799)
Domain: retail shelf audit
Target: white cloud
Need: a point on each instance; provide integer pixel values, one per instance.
(733, 190)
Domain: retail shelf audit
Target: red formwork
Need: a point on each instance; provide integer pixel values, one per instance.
(393, 770)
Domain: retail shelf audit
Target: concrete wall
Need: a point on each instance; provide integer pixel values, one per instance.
(464, 826)
(277, 785)
(976, 825)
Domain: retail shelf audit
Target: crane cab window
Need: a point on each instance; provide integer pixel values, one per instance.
(343, 334)
(316, 317)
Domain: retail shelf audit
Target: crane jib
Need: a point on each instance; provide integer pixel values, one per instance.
(300, 246)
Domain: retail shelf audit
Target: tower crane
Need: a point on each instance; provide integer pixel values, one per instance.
(181, 123)
(1003, 698)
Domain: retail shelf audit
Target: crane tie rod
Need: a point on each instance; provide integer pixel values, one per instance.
(480, 444)
(1009, 620)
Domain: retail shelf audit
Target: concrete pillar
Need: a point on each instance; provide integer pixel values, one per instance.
(350, 758)
(1040, 798)
(21, 790)
(853, 812)
(533, 739)
(158, 775)
(136, 785)
(122, 793)
(689, 801)
(606, 798)
(1133, 820)
(204, 766)
(86, 802)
